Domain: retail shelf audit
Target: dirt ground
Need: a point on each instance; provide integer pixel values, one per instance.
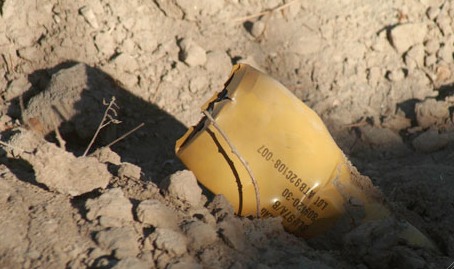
(379, 73)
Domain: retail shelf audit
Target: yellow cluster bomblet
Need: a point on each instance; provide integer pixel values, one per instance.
(271, 155)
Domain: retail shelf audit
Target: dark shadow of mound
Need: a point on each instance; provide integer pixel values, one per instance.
(74, 97)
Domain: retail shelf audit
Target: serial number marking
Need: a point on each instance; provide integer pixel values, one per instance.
(319, 202)
(282, 168)
(287, 215)
(304, 209)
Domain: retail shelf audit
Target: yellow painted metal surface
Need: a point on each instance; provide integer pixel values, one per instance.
(302, 174)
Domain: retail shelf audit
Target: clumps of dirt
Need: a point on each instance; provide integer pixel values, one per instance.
(56, 168)
(73, 102)
(165, 234)
(379, 245)
(174, 226)
(431, 211)
(111, 209)
(183, 185)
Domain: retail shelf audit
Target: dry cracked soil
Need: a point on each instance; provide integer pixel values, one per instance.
(380, 74)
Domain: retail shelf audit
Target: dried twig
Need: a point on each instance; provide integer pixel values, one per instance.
(270, 11)
(106, 120)
(156, 92)
(125, 135)
(22, 108)
(242, 160)
(61, 141)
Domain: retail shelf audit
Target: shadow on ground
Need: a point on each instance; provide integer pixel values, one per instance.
(74, 97)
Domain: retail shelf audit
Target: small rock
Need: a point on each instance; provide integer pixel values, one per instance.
(56, 9)
(200, 234)
(112, 208)
(16, 88)
(443, 73)
(403, 36)
(415, 57)
(89, 16)
(232, 233)
(258, 28)
(444, 23)
(396, 122)
(131, 263)
(432, 12)
(445, 53)
(191, 53)
(30, 53)
(24, 140)
(430, 141)
(395, 75)
(126, 63)
(431, 112)
(383, 139)
(183, 185)
(379, 136)
(171, 241)
(129, 46)
(380, 42)
(430, 60)
(431, 46)
(105, 43)
(123, 242)
(191, 9)
(58, 169)
(106, 155)
(218, 63)
(156, 214)
(129, 170)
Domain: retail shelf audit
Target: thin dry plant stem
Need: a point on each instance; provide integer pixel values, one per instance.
(101, 125)
(242, 160)
(278, 8)
(22, 107)
(60, 139)
(156, 92)
(125, 135)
